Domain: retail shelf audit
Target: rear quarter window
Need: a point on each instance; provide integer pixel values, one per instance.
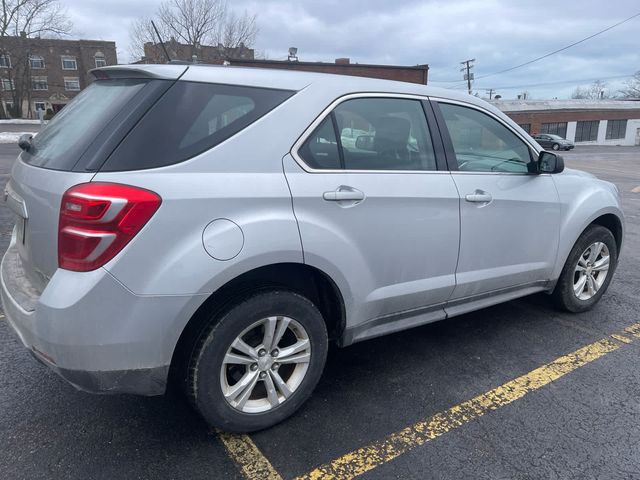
(190, 119)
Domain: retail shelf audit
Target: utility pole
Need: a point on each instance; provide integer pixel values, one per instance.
(490, 91)
(468, 65)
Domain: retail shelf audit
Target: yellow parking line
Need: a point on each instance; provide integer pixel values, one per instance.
(634, 330)
(367, 458)
(621, 338)
(248, 457)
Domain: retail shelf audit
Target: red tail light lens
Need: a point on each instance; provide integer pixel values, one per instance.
(98, 219)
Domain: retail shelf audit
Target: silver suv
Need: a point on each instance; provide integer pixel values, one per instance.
(217, 226)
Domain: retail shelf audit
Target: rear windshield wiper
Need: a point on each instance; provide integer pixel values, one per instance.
(24, 142)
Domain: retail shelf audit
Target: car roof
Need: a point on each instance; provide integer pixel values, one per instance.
(283, 79)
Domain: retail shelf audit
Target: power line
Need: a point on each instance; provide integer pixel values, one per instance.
(561, 49)
(563, 82)
(552, 53)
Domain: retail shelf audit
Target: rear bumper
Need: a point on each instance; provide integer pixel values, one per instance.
(92, 331)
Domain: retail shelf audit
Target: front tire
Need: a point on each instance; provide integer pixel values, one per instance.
(258, 361)
(588, 270)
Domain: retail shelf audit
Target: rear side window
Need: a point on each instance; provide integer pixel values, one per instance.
(190, 119)
(372, 134)
(71, 131)
(320, 151)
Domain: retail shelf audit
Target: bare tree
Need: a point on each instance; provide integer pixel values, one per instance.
(20, 20)
(194, 23)
(597, 90)
(142, 32)
(239, 30)
(632, 87)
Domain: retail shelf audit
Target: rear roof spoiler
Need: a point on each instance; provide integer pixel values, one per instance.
(163, 72)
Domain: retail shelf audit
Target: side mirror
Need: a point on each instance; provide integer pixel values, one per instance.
(24, 142)
(550, 162)
(364, 142)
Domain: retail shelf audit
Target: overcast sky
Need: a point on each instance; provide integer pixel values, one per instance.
(498, 33)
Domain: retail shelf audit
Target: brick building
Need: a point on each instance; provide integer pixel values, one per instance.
(589, 122)
(47, 73)
(343, 66)
(244, 57)
(214, 54)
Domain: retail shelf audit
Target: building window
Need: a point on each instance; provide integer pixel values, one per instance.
(36, 62)
(525, 126)
(7, 84)
(39, 83)
(40, 106)
(69, 63)
(8, 106)
(616, 129)
(557, 128)
(100, 60)
(5, 61)
(587, 131)
(72, 83)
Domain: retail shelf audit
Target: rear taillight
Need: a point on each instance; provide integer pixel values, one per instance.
(98, 219)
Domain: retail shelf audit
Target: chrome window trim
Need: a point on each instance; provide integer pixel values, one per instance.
(325, 113)
(320, 118)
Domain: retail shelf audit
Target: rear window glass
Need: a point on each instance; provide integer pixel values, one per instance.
(190, 119)
(61, 143)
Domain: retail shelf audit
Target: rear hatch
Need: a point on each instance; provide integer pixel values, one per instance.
(69, 151)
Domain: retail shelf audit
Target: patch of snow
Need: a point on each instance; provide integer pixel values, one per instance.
(19, 121)
(11, 137)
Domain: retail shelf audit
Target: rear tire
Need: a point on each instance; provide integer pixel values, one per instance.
(588, 270)
(258, 361)
(555, 146)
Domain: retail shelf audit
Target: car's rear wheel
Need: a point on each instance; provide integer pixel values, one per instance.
(588, 270)
(555, 146)
(258, 361)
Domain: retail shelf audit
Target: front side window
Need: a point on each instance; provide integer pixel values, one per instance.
(39, 83)
(72, 83)
(36, 62)
(372, 134)
(69, 63)
(587, 131)
(482, 144)
(616, 129)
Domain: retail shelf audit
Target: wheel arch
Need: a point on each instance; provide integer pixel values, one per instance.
(304, 279)
(610, 218)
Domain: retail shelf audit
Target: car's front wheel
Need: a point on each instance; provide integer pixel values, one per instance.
(258, 362)
(588, 270)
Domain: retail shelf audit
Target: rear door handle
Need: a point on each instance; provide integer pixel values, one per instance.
(478, 197)
(344, 194)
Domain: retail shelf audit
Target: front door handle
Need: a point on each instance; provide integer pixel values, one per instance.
(479, 196)
(343, 194)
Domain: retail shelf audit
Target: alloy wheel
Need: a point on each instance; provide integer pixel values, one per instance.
(265, 364)
(591, 271)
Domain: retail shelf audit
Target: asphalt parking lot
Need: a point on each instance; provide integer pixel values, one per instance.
(516, 391)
